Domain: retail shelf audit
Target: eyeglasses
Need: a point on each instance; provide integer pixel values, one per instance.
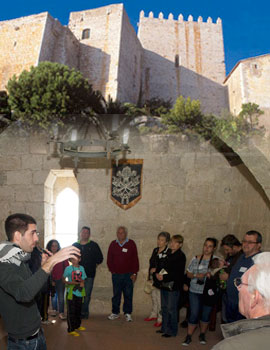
(238, 281)
(249, 242)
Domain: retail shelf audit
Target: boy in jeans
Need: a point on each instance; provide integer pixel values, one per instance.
(74, 276)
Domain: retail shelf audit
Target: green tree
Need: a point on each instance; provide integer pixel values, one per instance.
(5, 112)
(4, 107)
(185, 116)
(51, 92)
(251, 112)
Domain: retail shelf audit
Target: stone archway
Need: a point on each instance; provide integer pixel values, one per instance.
(56, 182)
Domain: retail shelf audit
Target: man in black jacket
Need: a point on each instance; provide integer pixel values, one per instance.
(91, 256)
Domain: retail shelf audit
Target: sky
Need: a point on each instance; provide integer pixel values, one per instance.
(246, 23)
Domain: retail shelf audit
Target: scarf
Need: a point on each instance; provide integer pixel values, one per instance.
(12, 254)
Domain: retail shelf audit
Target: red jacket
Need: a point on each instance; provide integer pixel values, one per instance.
(58, 270)
(123, 259)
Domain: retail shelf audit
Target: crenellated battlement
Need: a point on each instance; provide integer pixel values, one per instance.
(179, 19)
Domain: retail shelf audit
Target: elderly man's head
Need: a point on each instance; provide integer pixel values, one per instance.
(121, 233)
(254, 289)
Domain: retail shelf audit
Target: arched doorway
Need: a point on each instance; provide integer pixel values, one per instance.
(61, 207)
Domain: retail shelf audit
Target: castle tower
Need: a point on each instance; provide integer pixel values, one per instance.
(183, 58)
(110, 53)
(26, 41)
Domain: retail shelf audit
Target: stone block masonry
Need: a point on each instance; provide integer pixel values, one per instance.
(188, 188)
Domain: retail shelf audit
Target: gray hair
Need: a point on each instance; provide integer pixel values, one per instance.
(123, 228)
(259, 278)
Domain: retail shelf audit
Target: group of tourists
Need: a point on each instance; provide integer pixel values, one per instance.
(30, 275)
(209, 280)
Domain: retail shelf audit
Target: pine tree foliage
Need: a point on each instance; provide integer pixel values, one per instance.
(50, 92)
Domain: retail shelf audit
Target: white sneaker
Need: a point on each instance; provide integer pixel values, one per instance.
(113, 317)
(47, 322)
(128, 317)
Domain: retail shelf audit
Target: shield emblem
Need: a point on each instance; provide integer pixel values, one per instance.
(126, 185)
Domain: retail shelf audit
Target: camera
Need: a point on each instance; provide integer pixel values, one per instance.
(77, 287)
(200, 282)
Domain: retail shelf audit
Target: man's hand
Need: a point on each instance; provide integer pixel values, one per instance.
(159, 276)
(224, 276)
(45, 256)
(63, 254)
(185, 287)
(133, 277)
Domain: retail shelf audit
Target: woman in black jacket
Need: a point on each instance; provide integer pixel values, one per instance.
(159, 254)
(171, 277)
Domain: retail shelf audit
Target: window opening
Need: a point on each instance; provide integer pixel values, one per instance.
(86, 33)
(176, 61)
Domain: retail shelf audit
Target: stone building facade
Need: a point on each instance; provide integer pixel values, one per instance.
(168, 57)
(188, 188)
(249, 81)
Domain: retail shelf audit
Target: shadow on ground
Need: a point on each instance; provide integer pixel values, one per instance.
(102, 334)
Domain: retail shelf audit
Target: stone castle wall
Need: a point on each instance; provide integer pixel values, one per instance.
(20, 42)
(130, 63)
(99, 55)
(59, 44)
(183, 58)
(187, 188)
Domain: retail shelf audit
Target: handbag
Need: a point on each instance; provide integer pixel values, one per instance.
(167, 285)
(210, 292)
(148, 286)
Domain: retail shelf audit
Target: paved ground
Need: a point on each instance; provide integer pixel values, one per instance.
(102, 334)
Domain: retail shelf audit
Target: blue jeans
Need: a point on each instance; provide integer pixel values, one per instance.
(122, 283)
(38, 343)
(88, 285)
(58, 300)
(198, 311)
(169, 309)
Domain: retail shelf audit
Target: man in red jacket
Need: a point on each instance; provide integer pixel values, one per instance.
(122, 261)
